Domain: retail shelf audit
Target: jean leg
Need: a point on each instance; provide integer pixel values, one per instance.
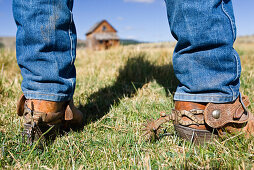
(46, 48)
(204, 59)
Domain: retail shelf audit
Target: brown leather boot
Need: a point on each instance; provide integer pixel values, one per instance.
(188, 119)
(47, 112)
(41, 113)
(189, 123)
(213, 119)
(200, 122)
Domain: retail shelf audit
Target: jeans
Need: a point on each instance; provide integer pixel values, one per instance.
(204, 60)
(46, 48)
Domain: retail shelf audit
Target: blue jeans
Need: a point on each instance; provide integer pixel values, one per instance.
(46, 48)
(204, 60)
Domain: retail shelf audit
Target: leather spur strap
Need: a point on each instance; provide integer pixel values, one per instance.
(218, 115)
(192, 115)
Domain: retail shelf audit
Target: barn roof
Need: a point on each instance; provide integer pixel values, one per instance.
(105, 36)
(97, 25)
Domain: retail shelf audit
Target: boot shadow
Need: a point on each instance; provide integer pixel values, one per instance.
(134, 75)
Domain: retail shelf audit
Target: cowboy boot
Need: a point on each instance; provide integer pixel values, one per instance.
(41, 114)
(189, 122)
(206, 121)
(201, 122)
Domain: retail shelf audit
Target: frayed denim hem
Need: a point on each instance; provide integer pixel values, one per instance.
(48, 97)
(206, 98)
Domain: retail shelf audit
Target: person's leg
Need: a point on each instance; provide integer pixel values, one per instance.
(46, 47)
(208, 69)
(46, 50)
(204, 60)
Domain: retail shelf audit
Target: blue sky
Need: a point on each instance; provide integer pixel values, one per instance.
(143, 20)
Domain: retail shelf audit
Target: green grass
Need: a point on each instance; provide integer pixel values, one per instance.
(118, 90)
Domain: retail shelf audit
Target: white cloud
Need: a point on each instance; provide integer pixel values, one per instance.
(131, 37)
(128, 28)
(119, 18)
(140, 1)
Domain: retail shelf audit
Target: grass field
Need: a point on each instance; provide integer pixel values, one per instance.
(118, 90)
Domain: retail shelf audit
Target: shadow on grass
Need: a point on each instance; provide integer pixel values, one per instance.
(134, 75)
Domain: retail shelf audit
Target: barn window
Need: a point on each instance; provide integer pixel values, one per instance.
(104, 28)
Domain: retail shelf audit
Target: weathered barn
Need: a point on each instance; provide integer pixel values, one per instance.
(102, 36)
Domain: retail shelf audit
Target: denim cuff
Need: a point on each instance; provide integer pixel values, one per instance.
(46, 96)
(206, 98)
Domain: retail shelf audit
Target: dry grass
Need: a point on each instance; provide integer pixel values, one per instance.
(118, 90)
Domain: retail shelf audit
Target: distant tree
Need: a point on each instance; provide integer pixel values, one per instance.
(129, 42)
(1, 45)
(81, 44)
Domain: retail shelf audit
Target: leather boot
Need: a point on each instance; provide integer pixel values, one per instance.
(201, 122)
(194, 130)
(39, 114)
(214, 119)
(48, 112)
(55, 112)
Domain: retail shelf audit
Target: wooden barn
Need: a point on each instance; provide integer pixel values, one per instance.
(102, 36)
